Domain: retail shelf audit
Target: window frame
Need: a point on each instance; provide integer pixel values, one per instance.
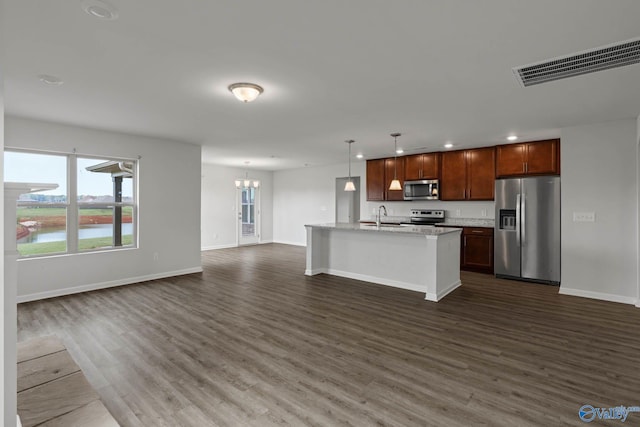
(73, 206)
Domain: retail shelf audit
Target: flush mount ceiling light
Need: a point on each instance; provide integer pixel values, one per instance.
(395, 184)
(512, 138)
(448, 145)
(50, 80)
(359, 155)
(246, 92)
(349, 186)
(99, 9)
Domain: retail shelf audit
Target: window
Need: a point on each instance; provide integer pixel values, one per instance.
(96, 211)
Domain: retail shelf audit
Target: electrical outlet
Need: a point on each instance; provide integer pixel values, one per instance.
(155, 256)
(483, 212)
(584, 217)
(457, 212)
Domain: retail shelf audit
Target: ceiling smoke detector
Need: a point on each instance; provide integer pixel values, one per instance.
(586, 62)
(99, 9)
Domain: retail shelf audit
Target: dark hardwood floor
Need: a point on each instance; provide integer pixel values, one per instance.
(252, 341)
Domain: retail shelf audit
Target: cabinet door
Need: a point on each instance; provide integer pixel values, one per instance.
(375, 180)
(453, 183)
(542, 157)
(430, 166)
(477, 249)
(393, 167)
(510, 160)
(481, 175)
(413, 167)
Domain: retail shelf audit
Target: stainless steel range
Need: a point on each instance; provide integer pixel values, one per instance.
(426, 216)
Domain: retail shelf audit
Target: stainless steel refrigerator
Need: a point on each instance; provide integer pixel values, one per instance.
(527, 229)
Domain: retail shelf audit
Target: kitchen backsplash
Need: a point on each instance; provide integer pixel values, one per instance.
(480, 210)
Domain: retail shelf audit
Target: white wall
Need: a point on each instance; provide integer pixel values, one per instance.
(219, 205)
(169, 211)
(307, 196)
(599, 174)
(8, 342)
(638, 207)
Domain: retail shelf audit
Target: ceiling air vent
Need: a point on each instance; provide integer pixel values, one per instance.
(588, 61)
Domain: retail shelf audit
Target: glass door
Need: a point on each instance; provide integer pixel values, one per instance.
(248, 215)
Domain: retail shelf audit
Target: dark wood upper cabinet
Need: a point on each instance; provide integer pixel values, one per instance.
(528, 158)
(453, 182)
(481, 175)
(413, 167)
(422, 166)
(375, 180)
(543, 157)
(468, 174)
(393, 167)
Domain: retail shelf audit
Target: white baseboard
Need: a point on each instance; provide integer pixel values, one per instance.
(231, 245)
(598, 295)
(378, 280)
(437, 297)
(103, 285)
(284, 242)
(213, 248)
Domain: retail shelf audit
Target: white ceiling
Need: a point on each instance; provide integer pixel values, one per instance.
(332, 70)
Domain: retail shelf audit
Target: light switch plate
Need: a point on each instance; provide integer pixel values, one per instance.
(584, 217)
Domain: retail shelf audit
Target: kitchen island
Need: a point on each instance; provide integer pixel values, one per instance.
(418, 258)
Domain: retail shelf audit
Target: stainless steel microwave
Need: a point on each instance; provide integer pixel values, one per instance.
(424, 189)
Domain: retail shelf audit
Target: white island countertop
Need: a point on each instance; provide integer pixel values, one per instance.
(416, 257)
(425, 230)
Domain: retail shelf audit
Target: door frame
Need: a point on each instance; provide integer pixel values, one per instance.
(257, 215)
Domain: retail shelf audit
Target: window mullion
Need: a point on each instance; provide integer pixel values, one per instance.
(72, 202)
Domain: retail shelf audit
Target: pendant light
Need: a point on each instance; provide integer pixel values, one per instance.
(395, 184)
(349, 186)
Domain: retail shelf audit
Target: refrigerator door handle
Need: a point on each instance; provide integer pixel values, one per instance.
(518, 219)
(523, 199)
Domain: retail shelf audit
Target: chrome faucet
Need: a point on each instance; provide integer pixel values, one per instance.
(378, 216)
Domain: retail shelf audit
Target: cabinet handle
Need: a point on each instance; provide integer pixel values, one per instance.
(465, 241)
(464, 193)
(526, 167)
(477, 231)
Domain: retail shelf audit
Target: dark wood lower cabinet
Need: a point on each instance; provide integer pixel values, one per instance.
(477, 249)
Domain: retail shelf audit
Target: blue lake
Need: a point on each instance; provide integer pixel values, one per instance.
(56, 234)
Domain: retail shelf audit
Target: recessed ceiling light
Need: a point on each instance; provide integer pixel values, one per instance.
(399, 151)
(50, 80)
(99, 9)
(512, 137)
(359, 155)
(448, 145)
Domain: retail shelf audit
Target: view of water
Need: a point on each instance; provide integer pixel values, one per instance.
(56, 234)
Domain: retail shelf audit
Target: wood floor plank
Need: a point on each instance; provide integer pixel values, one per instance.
(252, 341)
(39, 347)
(47, 368)
(94, 414)
(42, 403)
